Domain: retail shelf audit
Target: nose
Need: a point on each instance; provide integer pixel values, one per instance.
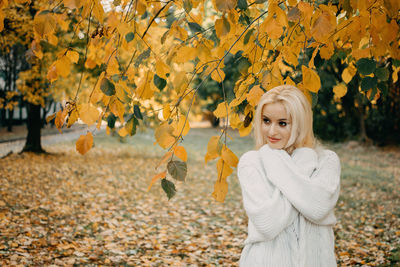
(272, 129)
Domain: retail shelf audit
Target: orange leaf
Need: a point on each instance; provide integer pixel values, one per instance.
(220, 190)
(181, 153)
(84, 143)
(161, 175)
(164, 159)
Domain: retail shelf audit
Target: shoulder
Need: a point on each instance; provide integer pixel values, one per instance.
(248, 158)
(326, 153)
(330, 157)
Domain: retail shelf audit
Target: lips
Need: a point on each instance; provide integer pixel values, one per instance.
(273, 140)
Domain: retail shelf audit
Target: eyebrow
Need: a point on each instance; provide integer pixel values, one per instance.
(278, 120)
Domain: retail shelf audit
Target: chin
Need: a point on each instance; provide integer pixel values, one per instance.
(275, 146)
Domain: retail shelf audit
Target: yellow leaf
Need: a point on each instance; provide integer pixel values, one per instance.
(223, 169)
(164, 159)
(222, 27)
(182, 126)
(254, 95)
(99, 121)
(162, 69)
(224, 5)
(72, 4)
(244, 131)
(229, 157)
(44, 24)
(221, 111)
(60, 118)
(73, 56)
(145, 90)
(340, 90)
(234, 120)
(327, 51)
(52, 39)
(181, 153)
(220, 190)
(185, 54)
(50, 117)
(88, 113)
(84, 143)
(322, 26)
(213, 148)
(120, 91)
(123, 132)
(112, 67)
(166, 111)
(218, 75)
(98, 11)
(311, 63)
(1, 21)
(272, 27)
(118, 109)
(155, 178)
(311, 80)
(63, 66)
(395, 73)
(348, 73)
(73, 116)
(163, 135)
(141, 7)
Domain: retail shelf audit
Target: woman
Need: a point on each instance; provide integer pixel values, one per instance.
(289, 186)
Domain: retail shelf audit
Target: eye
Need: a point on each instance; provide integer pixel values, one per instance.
(282, 123)
(266, 120)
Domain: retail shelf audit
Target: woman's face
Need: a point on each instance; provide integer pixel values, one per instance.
(276, 125)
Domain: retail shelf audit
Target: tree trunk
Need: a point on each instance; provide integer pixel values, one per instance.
(363, 131)
(10, 120)
(33, 142)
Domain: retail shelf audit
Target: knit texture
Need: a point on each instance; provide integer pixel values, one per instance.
(289, 200)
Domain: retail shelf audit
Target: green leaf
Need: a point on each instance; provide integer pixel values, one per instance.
(248, 119)
(129, 36)
(107, 87)
(382, 74)
(137, 112)
(168, 187)
(396, 62)
(373, 93)
(164, 37)
(159, 82)
(194, 27)
(177, 169)
(247, 36)
(244, 19)
(383, 87)
(368, 83)
(187, 5)
(242, 4)
(131, 125)
(366, 66)
(142, 57)
(111, 121)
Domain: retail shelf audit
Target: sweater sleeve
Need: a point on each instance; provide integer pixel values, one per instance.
(268, 210)
(313, 197)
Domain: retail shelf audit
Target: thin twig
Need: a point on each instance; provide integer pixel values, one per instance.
(86, 50)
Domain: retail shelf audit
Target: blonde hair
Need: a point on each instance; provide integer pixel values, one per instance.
(299, 110)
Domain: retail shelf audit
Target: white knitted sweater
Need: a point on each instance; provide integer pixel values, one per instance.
(289, 200)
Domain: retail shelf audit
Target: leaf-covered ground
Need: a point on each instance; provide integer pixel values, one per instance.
(65, 209)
